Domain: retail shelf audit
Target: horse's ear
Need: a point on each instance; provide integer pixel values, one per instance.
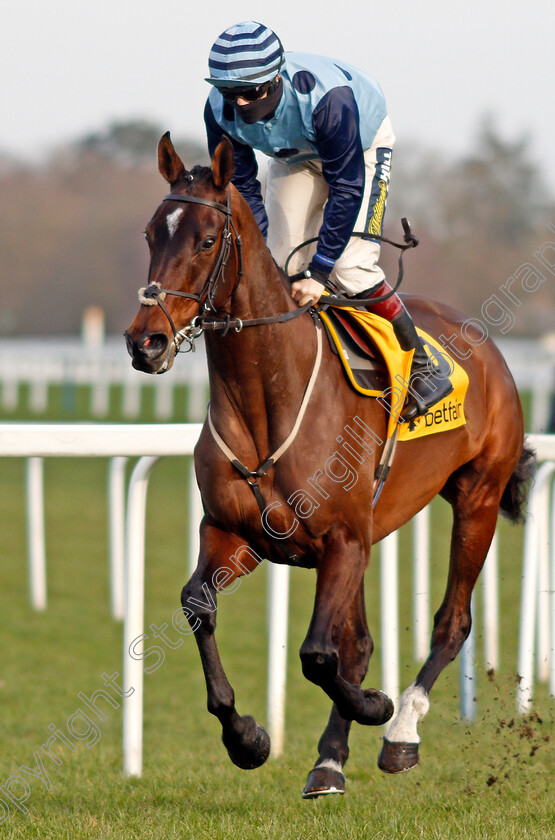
(223, 164)
(169, 163)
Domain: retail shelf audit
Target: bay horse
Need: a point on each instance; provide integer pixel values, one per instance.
(280, 406)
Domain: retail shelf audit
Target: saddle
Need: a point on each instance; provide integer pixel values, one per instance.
(363, 363)
(375, 366)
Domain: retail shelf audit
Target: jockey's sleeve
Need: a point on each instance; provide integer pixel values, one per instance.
(246, 168)
(339, 144)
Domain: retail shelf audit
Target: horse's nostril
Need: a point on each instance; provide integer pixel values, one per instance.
(152, 346)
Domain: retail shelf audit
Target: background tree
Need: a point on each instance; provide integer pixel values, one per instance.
(479, 219)
(132, 144)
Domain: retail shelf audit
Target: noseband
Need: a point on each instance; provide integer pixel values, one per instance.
(154, 294)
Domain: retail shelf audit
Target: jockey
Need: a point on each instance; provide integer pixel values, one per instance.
(325, 128)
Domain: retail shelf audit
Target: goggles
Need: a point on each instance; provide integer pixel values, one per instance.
(250, 93)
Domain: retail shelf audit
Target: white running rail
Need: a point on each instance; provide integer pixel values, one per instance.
(152, 441)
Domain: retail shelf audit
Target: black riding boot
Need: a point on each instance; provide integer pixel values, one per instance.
(429, 375)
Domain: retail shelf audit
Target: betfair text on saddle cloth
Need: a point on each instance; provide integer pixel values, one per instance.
(392, 387)
(325, 127)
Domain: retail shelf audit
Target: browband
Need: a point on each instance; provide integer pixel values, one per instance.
(191, 199)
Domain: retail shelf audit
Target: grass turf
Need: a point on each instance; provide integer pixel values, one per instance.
(489, 779)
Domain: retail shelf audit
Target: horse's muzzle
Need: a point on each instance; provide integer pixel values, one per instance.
(148, 353)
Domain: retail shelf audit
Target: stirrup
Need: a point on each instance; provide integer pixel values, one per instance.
(417, 404)
(426, 387)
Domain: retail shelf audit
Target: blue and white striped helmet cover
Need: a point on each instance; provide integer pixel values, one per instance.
(247, 53)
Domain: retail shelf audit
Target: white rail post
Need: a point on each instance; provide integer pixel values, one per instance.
(35, 532)
(542, 623)
(38, 391)
(197, 399)
(163, 399)
(195, 515)
(116, 524)
(529, 591)
(133, 676)
(541, 393)
(10, 393)
(468, 674)
(132, 393)
(99, 395)
(278, 611)
(389, 615)
(490, 606)
(421, 584)
(552, 602)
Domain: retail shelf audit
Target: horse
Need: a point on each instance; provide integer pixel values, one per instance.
(278, 420)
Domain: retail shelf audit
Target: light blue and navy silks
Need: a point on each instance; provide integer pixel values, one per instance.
(329, 111)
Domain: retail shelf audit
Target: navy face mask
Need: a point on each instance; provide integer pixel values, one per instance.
(260, 109)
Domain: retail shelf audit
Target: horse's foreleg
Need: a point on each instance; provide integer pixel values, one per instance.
(222, 560)
(355, 649)
(471, 537)
(339, 579)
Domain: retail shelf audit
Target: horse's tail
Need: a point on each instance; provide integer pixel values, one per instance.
(513, 500)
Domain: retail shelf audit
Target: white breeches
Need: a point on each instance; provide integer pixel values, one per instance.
(295, 200)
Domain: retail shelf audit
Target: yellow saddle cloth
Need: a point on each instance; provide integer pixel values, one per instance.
(446, 414)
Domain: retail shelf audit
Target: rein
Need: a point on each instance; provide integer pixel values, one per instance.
(410, 241)
(154, 294)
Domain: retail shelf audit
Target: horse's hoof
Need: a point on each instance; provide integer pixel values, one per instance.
(248, 744)
(378, 708)
(323, 781)
(397, 756)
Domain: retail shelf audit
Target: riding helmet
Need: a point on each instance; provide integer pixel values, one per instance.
(246, 54)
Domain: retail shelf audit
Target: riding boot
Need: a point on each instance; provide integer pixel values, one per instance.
(429, 381)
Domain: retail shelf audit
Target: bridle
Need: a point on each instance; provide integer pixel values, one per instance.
(154, 294)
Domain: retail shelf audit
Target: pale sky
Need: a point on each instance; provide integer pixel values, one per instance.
(69, 67)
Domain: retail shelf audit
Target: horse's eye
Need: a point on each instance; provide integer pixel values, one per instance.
(208, 244)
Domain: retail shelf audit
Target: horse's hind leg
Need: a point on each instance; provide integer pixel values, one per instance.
(222, 560)
(355, 649)
(474, 495)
